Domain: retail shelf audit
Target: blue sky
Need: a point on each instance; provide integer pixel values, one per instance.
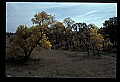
(22, 12)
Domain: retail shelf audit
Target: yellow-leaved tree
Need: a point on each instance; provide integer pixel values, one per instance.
(45, 43)
(26, 39)
(96, 38)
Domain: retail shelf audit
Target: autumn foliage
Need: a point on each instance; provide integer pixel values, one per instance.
(48, 33)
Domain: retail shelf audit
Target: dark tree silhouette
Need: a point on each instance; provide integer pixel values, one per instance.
(110, 30)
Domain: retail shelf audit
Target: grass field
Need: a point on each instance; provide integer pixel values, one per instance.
(64, 64)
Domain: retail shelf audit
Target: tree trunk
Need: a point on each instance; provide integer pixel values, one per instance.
(73, 44)
(98, 54)
(103, 46)
(87, 48)
(70, 43)
(56, 38)
(25, 52)
(67, 45)
(27, 55)
(93, 49)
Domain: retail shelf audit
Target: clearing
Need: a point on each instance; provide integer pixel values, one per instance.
(65, 64)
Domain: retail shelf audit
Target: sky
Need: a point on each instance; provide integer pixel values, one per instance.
(22, 12)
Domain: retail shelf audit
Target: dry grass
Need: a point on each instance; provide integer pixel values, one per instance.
(64, 64)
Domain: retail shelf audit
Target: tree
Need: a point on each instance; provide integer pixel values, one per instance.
(68, 22)
(110, 28)
(96, 39)
(40, 18)
(45, 43)
(26, 39)
(68, 31)
(59, 32)
(24, 42)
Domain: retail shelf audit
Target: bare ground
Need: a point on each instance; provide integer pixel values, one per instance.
(64, 64)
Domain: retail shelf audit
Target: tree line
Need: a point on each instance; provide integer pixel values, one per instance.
(49, 33)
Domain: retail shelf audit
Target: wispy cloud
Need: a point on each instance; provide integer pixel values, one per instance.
(92, 12)
(21, 12)
(96, 11)
(97, 14)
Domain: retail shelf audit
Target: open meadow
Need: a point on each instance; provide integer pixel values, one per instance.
(45, 63)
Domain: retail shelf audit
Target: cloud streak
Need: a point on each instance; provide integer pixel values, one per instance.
(21, 13)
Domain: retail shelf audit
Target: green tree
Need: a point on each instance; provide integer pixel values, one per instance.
(110, 30)
(59, 32)
(68, 31)
(68, 22)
